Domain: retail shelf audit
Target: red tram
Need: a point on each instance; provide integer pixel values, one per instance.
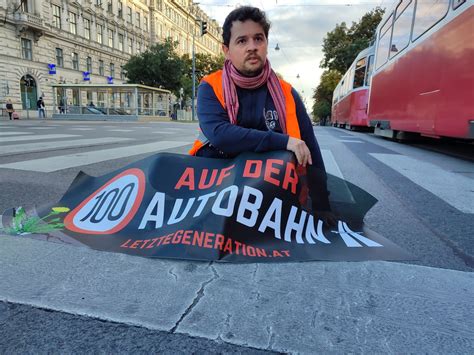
(423, 78)
(349, 104)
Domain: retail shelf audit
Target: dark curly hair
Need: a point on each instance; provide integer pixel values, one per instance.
(243, 14)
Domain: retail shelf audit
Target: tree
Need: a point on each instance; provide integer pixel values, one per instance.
(322, 95)
(158, 66)
(205, 64)
(341, 45)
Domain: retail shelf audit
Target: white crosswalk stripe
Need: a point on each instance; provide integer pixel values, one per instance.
(36, 137)
(342, 193)
(51, 164)
(13, 133)
(42, 146)
(455, 189)
(330, 163)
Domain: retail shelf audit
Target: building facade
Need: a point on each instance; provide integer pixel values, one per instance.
(46, 42)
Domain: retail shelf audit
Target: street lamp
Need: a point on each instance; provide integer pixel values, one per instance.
(277, 48)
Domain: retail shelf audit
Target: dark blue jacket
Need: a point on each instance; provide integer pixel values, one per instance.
(257, 130)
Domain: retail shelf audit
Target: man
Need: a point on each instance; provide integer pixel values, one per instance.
(40, 106)
(245, 108)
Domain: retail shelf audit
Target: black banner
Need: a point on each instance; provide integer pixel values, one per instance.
(247, 209)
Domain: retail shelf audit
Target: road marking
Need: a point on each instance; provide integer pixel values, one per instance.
(120, 130)
(454, 189)
(339, 190)
(42, 146)
(81, 129)
(49, 127)
(37, 137)
(14, 133)
(330, 163)
(161, 132)
(47, 165)
(348, 141)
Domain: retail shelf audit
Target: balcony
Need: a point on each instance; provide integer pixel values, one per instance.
(25, 21)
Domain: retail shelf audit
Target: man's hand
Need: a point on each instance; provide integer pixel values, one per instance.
(299, 147)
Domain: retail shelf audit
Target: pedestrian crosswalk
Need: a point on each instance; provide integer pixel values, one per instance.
(19, 140)
(82, 147)
(47, 165)
(55, 145)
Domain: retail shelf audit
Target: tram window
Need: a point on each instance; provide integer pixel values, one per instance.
(402, 28)
(368, 72)
(427, 14)
(383, 43)
(457, 3)
(359, 74)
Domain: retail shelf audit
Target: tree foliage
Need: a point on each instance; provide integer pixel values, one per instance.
(205, 64)
(322, 95)
(158, 66)
(340, 47)
(342, 44)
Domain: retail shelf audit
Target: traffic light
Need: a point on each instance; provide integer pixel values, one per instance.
(203, 28)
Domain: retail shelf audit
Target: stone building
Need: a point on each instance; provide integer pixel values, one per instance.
(45, 42)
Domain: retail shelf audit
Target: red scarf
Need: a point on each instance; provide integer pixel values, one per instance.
(232, 78)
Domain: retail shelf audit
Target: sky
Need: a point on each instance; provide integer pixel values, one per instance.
(298, 26)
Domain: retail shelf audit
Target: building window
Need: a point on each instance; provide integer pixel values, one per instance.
(120, 9)
(129, 14)
(111, 38)
(100, 32)
(138, 19)
(428, 13)
(72, 23)
(75, 61)
(130, 45)
(120, 42)
(26, 52)
(59, 57)
(101, 67)
(109, 6)
(89, 64)
(139, 47)
(98, 2)
(24, 6)
(112, 70)
(87, 29)
(56, 16)
(122, 73)
(145, 22)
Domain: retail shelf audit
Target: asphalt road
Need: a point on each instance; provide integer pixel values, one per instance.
(422, 221)
(425, 206)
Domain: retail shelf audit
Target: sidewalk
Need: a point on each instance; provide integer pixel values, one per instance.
(311, 307)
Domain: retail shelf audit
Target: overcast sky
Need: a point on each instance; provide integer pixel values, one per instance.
(298, 26)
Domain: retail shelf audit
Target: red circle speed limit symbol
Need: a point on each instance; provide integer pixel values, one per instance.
(110, 208)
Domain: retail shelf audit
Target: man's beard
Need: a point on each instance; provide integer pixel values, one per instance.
(252, 72)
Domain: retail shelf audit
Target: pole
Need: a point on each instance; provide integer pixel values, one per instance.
(194, 80)
(27, 103)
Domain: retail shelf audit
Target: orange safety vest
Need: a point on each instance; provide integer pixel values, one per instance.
(292, 126)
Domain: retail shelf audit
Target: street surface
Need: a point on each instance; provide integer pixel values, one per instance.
(426, 206)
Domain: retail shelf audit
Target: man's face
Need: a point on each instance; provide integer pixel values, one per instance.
(248, 47)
